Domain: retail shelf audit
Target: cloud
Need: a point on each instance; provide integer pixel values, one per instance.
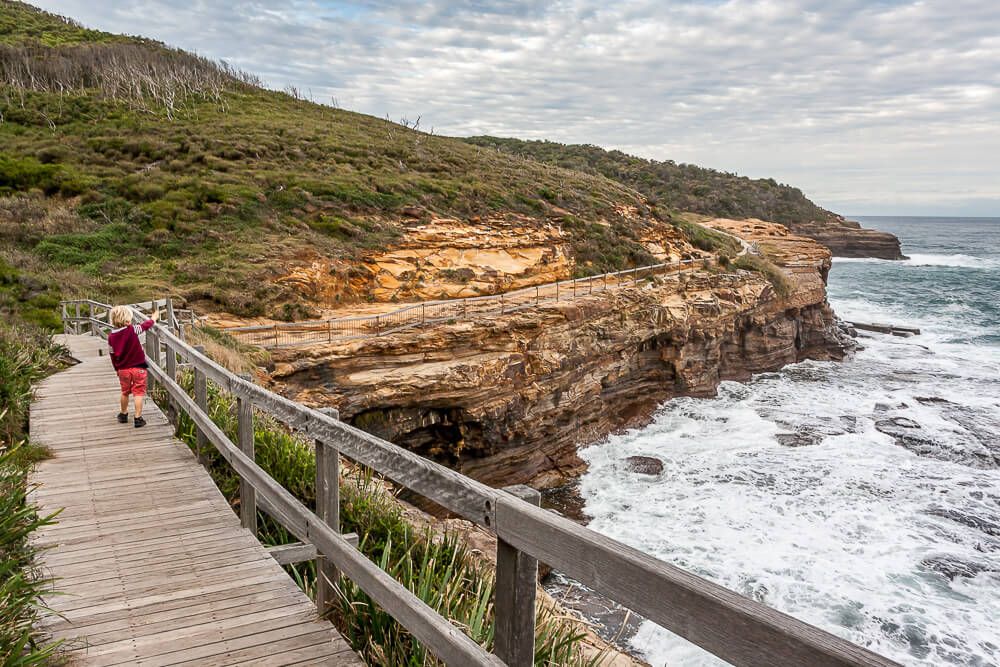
(862, 104)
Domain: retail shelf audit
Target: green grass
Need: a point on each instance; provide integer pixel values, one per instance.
(708, 239)
(681, 187)
(438, 569)
(20, 21)
(26, 355)
(212, 193)
(779, 281)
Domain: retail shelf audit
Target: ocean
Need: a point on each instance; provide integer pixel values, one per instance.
(883, 524)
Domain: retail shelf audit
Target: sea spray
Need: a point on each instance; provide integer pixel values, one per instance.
(863, 497)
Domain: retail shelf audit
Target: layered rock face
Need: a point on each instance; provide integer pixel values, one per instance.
(846, 238)
(508, 399)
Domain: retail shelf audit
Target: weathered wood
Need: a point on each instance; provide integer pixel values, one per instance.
(298, 552)
(171, 320)
(328, 510)
(150, 559)
(514, 607)
(152, 353)
(735, 628)
(201, 398)
(287, 554)
(442, 638)
(248, 495)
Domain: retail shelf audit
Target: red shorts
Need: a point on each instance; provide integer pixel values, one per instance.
(133, 381)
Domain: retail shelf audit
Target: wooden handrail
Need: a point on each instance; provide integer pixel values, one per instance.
(735, 628)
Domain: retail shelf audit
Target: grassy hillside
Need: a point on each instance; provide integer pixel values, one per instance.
(127, 167)
(682, 187)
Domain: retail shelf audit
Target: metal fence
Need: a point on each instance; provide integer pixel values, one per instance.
(429, 312)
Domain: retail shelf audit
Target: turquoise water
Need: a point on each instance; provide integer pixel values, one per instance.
(883, 524)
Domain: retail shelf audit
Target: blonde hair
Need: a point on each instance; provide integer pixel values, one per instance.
(121, 316)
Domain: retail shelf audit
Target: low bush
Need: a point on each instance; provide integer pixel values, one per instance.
(779, 281)
(26, 354)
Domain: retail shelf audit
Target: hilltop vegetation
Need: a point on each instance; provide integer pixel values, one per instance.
(681, 187)
(127, 167)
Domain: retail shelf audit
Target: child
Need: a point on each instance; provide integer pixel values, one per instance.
(129, 359)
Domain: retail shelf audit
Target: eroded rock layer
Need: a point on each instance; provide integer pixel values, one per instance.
(508, 399)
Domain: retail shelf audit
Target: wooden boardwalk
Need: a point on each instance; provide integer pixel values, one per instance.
(151, 563)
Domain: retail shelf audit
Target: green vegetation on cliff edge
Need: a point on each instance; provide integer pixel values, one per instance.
(682, 187)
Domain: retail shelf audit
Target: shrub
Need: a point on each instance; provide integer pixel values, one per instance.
(19, 174)
(782, 285)
(26, 354)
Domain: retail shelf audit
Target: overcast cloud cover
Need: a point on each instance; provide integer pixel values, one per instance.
(870, 107)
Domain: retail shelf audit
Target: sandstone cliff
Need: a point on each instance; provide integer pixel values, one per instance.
(508, 399)
(846, 238)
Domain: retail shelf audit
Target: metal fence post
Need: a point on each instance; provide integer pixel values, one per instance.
(248, 495)
(328, 510)
(514, 606)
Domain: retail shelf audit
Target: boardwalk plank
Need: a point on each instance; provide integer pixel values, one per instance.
(151, 564)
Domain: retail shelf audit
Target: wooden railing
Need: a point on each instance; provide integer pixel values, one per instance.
(729, 625)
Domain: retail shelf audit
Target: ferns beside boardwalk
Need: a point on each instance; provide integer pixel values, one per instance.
(26, 354)
(438, 569)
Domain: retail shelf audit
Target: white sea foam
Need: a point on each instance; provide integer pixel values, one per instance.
(957, 260)
(892, 543)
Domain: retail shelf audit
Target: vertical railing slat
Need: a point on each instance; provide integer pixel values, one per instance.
(514, 607)
(248, 495)
(328, 510)
(201, 398)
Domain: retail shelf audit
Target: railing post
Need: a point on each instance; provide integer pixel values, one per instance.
(171, 320)
(248, 495)
(501, 303)
(328, 510)
(153, 352)
(201, 398)
(172, 374)
(76, 321)
(329, 331)
(574, 288)
(514, 606)
(538, 298)
(423, 313)
(557, 290)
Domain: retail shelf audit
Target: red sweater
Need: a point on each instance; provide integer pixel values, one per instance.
(126, 350)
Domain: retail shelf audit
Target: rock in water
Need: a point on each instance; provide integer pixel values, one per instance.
(644, 465)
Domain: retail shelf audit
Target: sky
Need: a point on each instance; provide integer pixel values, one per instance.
(871, 107)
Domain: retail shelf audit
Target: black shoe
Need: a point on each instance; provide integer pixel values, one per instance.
(139, 422)
(122, 417)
